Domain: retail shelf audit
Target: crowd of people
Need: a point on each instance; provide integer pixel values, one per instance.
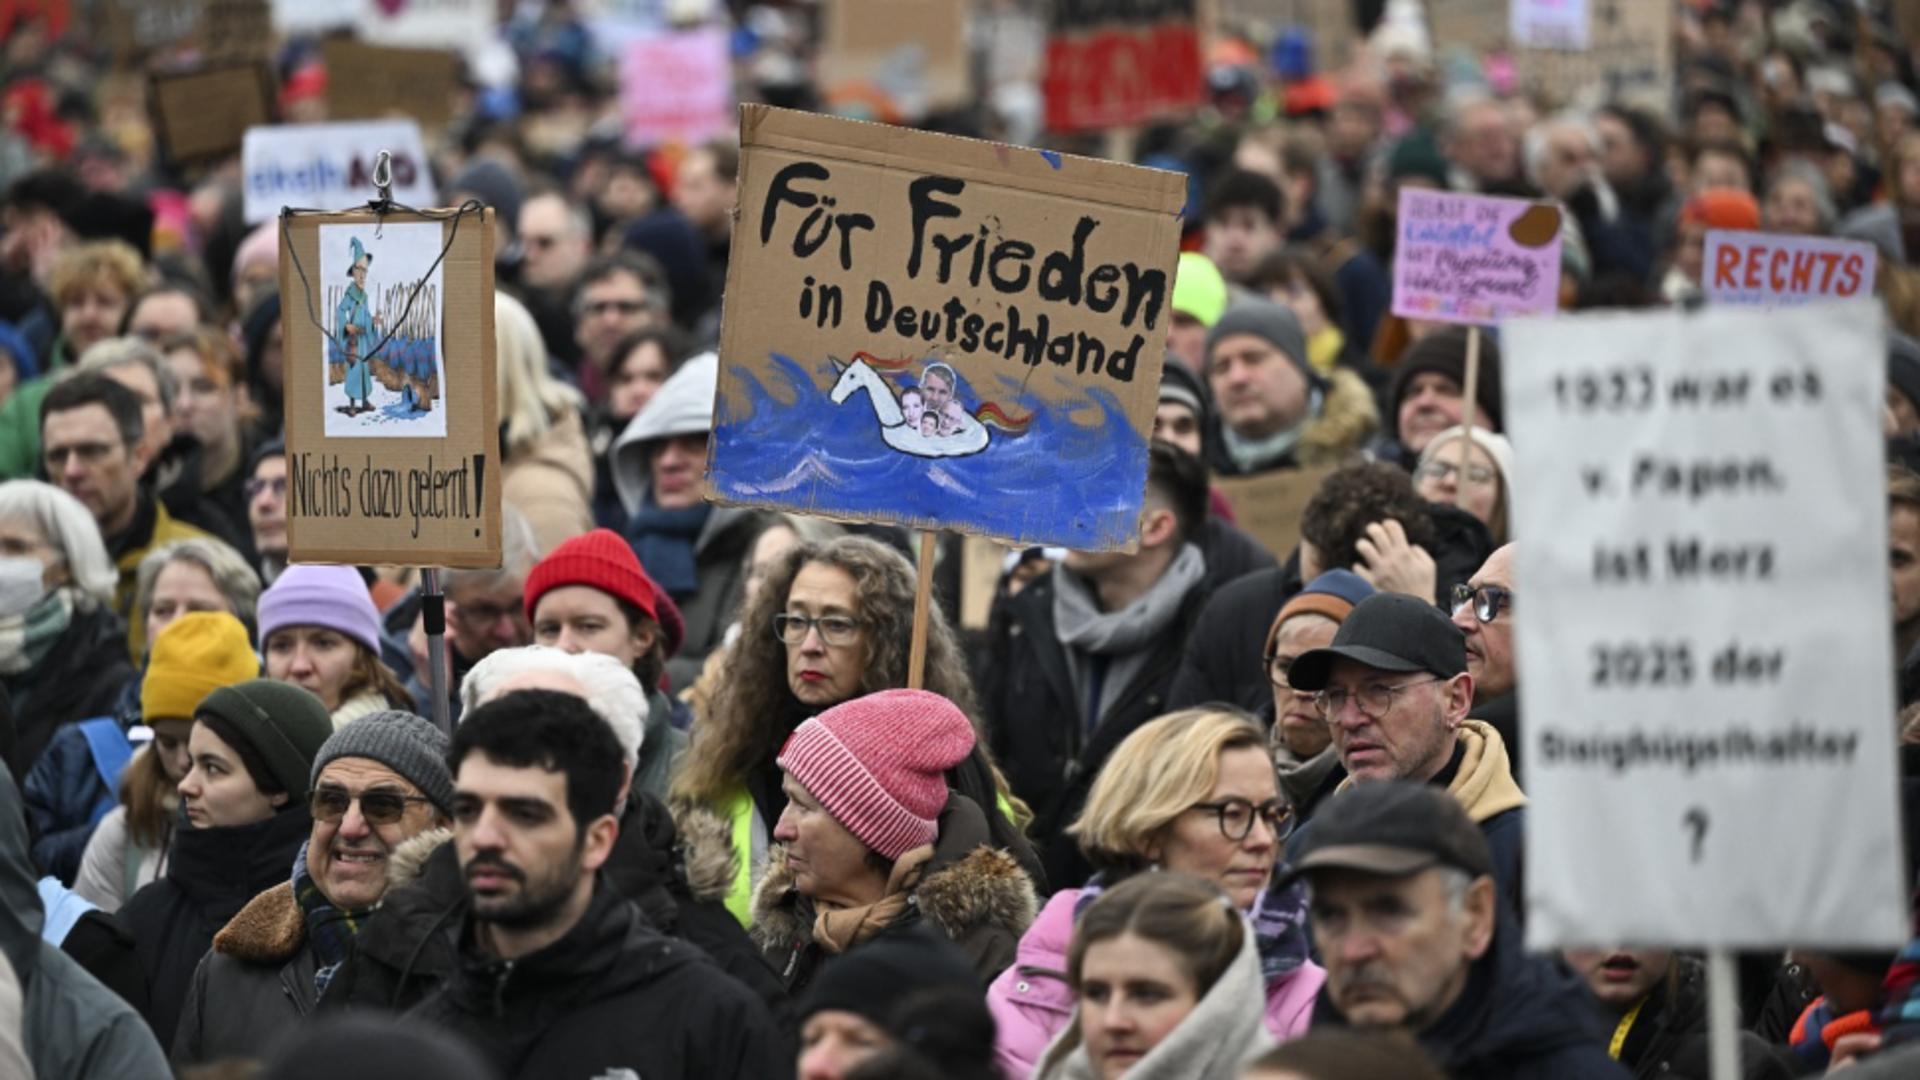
(1202, 809)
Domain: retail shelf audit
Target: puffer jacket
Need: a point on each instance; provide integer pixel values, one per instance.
(1348, 420)
(81, 677)
(550, 481)
(71, 788)
(1032, 1003)
(974, 894)
(254, 983)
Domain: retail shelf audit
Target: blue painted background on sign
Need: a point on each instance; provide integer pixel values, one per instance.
(1074, 477)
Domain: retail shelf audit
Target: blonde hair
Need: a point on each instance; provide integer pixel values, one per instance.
(1155, 775)
(531, 399)
(114, 262)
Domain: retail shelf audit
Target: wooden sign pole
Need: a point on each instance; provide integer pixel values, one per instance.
(1467, 406)
(922, 604)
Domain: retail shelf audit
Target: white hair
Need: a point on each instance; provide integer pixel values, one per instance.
(1533, 148)
(612, 690)
(68, 527)
(115, 353)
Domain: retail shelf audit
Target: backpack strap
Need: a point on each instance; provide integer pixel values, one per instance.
(111, 751)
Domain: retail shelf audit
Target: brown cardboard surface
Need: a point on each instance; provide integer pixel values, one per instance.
(1268, 505)
(899, 50)
(205, 114)
(365, 82)
(1631, 57)
(1010, 194)
(980, 561)
(328, 516)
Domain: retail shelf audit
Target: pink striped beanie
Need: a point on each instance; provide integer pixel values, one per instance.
(877, 764)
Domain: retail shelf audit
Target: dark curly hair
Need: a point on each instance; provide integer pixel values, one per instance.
(1355, 496)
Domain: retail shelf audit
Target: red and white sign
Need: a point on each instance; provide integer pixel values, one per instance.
(1118, 64)
(1765, 270)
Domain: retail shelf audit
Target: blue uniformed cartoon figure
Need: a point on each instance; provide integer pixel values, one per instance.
(358, 328)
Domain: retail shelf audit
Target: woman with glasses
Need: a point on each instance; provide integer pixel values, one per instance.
(1193, 792)
(830, 623)
(319, 630)
(1309, 767)
(244, 799)
(591, 596)
(1482, 485)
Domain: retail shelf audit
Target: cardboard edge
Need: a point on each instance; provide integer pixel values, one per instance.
(156, 116)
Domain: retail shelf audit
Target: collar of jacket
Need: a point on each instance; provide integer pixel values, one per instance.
(609, 949)
(269, 930)
(236, 861)
(1484, 785)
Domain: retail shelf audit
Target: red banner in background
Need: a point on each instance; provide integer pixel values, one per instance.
(1115, 64)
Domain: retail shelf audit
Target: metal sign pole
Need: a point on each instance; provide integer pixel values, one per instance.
(433, 613)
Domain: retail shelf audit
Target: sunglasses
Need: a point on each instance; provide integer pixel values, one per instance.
(377, 807)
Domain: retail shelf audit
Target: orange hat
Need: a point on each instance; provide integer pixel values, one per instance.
(1723, 208)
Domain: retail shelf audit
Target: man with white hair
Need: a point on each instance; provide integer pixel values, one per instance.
(681, 883)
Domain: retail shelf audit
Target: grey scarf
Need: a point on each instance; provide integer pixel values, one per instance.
(1253, 454)
(1300, 779)
(1118, 639)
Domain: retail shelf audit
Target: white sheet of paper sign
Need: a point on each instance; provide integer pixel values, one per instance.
(1702, 629)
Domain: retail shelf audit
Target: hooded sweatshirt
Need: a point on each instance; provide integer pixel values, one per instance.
(1223, 1032)
(73, 1027)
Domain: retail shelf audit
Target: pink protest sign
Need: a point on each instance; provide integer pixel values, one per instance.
(1474, 259)
(676, 86)
(1763, 270)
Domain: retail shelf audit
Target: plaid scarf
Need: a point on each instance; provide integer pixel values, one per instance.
(27, 638)
(1279, 919)
(330, 931)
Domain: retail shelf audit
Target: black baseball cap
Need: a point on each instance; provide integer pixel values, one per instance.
(1391, 632)
(1392, 828)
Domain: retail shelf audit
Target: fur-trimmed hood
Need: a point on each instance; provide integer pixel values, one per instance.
(409, 861)
(1348, 419)
(974, 894)
(269, 930)
(706, 850)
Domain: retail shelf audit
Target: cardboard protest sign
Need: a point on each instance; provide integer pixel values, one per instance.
(676, 86)
(942, 332)
(204, 115)
(1703, 626)
(1267, 506)
(1473, 258)
(1629, 56)
(391, 405)
(366, 82)
(1765, 270)
(1551, 24)
(330, 166)
(1119, 64)
(894, 60)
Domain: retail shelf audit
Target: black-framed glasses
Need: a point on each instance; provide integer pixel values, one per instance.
(1374, 698)
(1488, 600)
(1236, 817)
(834, 629)
(330, 804)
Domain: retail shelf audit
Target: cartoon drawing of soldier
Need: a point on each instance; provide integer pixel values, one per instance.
(357, 325)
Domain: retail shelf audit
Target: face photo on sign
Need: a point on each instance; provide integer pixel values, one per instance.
(381, 303)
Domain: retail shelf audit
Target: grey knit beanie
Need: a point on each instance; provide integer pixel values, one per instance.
(403, 742)
(1273, 322)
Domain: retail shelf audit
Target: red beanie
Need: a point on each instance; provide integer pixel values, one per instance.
(602, 560)
(1723, 208)
(877, 764)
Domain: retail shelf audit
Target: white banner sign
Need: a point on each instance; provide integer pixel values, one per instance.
(427, 24)
(313, 16)
(330, 166)
(1766, 270)
(1703, 630)
(1551, 24)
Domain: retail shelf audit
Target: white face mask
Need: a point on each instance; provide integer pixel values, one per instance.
(22, 585)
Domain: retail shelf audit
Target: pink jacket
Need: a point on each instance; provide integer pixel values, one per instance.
(1031, 1002)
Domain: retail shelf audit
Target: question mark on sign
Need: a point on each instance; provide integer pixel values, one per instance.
(1696, 818)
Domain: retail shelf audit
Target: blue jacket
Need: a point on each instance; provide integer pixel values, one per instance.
(71, 787)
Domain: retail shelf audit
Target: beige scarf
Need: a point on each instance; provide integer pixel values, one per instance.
(839, 929)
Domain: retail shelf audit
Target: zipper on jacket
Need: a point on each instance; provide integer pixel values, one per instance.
(503, 972)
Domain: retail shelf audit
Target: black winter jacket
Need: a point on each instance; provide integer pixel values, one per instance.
(254, 984)
(612, 994)
(1675, 1044)
(80, 678)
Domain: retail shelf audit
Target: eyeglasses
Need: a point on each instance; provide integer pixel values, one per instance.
(1488, 600)
(834, 629)
(378, 807)
(1478, 475)
(1277, 667)
(278, 486)
(623, 307)
(1374, 698)
(1236, 817)
(484, 613)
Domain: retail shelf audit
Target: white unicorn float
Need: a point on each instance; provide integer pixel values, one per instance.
(971, 438)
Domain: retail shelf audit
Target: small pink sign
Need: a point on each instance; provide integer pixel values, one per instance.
(676, 86)
(1474, 258)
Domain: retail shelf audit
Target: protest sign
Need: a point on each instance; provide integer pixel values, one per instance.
(1629, 56)
(1551, 24)
(216, 30)
(1267, 506)
(1115, 64)
(366, 82)
(314, 16)
(393, 447)
(894, 60)
(330, 166)
(1472, 26)
(1473, 258)
(614, 23)
(942, 333)
(1702, 626)
(50, 16)
(1765, 270)
(676, 86)
(204, 115)
(427, 24)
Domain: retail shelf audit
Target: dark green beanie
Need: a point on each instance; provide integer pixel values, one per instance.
(283, 725)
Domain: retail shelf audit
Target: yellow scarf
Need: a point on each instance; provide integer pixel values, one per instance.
(1324, 349)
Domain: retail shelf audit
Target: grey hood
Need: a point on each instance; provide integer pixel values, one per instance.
(682, 406)
(20, 913)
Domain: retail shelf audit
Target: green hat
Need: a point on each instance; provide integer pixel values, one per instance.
(284, 726)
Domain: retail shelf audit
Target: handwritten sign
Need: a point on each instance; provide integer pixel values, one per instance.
(894, 59)
(330, 166)
(393, 447)
(1115, 65)
(945, 333)
(1551, 24)
(1764, 270)
(1706, 627)
(676, 86)
(1474, 259)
